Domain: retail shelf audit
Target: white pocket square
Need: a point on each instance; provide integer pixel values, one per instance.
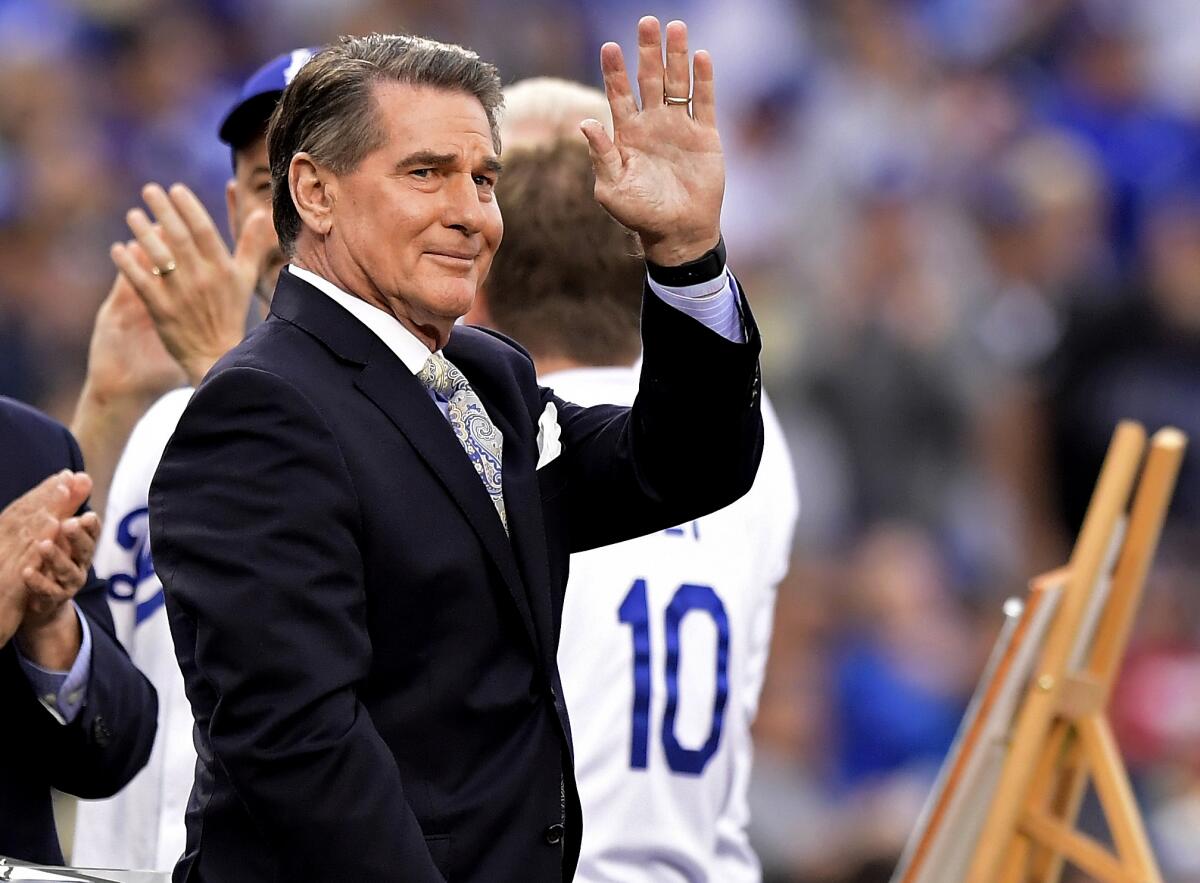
(549, 445)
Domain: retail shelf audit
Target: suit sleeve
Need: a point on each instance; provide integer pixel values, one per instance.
(110, 740)
(254, 524)
(690, 444)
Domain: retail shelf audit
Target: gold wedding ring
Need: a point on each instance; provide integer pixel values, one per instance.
(164, 271)
(673, 99)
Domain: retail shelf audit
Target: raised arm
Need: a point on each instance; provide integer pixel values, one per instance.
(692, 440)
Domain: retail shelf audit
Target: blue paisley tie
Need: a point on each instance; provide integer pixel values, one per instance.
(479, 437)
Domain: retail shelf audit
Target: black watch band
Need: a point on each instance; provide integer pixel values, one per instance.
(705, 268)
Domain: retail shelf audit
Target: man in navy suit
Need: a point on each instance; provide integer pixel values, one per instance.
(364, 519)
(77, 715)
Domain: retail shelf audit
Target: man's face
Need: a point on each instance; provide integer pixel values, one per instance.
(415, 225)
(250, 189)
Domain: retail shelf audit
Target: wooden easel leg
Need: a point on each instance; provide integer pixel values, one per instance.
(1016, 861)
(1069, 786)
(1117, 799)
(1066, 807)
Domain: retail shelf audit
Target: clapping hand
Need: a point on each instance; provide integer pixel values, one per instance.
(45, 551)
(197, 293)
(63, 570)
(662, 174)
(126, 357)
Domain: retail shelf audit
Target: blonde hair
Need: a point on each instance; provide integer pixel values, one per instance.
(542, 110)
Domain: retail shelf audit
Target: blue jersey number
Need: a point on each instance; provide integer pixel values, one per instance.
(635, 612)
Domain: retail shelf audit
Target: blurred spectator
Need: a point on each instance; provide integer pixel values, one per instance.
(1136, 356)
(1101, 94)
(902, 665)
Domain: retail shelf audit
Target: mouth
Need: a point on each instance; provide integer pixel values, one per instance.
(461, 260)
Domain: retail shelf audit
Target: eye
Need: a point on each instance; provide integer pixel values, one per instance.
(484, 181)
(421, 173)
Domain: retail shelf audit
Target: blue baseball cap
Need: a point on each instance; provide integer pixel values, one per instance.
(259, 95)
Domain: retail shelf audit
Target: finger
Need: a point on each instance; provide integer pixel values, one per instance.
(606, 159)
(139, 254)
(70, 493)
(91, 524)
(677, 80)
(70, 496)
(198, 221)
(29, 560)
(131, 260)
(39, 526)
(150, 237)
(650, 62)
(37, 498)
(256, 242)
(80, 542)
(123, 299)
(80, 485)
(44, 591)
(704, 99)
(175, 231)
(616, 84)
(58, 566)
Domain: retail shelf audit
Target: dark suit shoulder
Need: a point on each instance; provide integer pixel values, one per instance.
(28, 422)
(490, 341)
(473, 344)
(272, 347)
(276, 353)
(37, 445)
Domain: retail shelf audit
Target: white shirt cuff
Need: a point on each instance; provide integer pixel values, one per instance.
(714, 304)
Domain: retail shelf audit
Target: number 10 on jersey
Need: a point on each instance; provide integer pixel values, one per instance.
(635, 612)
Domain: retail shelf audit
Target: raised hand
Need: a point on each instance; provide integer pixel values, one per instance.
(197, 293)
(662, 174)
(126, 357)
(128, 370)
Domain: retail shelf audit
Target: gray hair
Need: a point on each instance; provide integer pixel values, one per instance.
(329, 112)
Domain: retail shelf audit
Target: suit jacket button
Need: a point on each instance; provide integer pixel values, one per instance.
(100, 732)
(554, 834)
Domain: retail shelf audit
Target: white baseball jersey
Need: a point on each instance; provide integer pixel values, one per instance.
(663, 649)
(142, 826)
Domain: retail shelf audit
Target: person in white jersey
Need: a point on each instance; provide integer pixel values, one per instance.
(199, 310)
(664, 638)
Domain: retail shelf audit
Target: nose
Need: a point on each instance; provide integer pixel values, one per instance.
(463, 211)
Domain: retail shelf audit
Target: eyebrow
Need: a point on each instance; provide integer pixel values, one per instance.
(440, 160)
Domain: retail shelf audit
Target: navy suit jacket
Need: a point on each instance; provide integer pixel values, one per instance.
(110, 740)
(370, 659)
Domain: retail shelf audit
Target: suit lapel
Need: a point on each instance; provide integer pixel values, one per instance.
(400, 396)
(522, 496)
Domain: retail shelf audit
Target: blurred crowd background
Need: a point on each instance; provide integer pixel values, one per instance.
(970, 230)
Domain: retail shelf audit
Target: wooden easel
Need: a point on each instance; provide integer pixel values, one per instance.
(1062, 738)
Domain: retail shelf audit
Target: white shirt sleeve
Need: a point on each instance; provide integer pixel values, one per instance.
(714, 304)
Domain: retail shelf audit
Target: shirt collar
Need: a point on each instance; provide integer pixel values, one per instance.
(407, 347)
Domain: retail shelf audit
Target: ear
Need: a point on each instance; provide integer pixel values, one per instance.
(479, 314)
(231, 209)
(312, 187)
